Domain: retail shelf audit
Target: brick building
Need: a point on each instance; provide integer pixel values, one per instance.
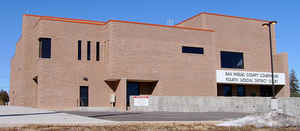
(63, 63)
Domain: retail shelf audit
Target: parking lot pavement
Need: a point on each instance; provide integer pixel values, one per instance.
(160, 116)
(12, 116)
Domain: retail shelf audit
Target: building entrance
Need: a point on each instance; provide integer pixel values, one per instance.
(133, 89)
(84, 96)
(139, 87)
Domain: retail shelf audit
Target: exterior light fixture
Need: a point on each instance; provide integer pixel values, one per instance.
(268, 24)
(85, 79)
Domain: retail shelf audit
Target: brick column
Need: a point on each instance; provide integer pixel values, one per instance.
(121, 94)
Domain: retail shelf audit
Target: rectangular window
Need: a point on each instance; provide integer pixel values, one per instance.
(45, 47)
(227, 89)
(89, 50)
(232, 60)
(241, 90)
(194, 50)
(97, 51)
(79, 49)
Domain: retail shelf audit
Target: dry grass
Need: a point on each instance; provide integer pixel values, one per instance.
(146, 127)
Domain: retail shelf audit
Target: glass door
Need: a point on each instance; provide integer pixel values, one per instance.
(84, 96)
(132, 90)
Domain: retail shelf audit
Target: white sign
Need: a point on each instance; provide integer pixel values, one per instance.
(245, 77)
(140, 100)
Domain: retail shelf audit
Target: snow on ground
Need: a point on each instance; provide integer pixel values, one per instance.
(269, 119)
(11, 116)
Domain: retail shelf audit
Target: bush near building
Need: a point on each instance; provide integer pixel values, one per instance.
(4, 98)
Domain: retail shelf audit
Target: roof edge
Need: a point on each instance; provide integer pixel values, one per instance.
(64, 19)
(238, 17)
(51, 18)
(168, 26)
(72, 21)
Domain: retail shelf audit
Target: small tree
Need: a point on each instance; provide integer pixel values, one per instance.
(4, 97)
(294, 84)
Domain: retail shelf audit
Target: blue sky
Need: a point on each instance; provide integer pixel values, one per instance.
(150, 11)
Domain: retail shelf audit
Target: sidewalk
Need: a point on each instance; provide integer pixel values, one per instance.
(12, 116)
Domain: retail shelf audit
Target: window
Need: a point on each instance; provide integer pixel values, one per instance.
(227, 90)
(84, 96)
(79, 50)
(45, 47)
(97, 51)
(241, 90)
(232, 60)
(89, 50)
(194, 50)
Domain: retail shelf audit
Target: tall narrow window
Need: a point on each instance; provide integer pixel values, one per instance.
(97, 51)
(45, 47)
(84, 96)
(79, 50)
(89, 50)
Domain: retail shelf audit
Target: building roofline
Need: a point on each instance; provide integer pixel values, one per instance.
(73, 21)
(238, 17)
(66, 19)
(168, 26)
(120, 21)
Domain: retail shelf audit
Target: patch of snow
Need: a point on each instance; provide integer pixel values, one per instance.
(269, 119)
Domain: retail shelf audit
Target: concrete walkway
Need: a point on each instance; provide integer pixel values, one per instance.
(12, 116)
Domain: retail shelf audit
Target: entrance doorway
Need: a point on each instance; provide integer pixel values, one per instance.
(133, 89)
(139, 87)
(84, 96)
